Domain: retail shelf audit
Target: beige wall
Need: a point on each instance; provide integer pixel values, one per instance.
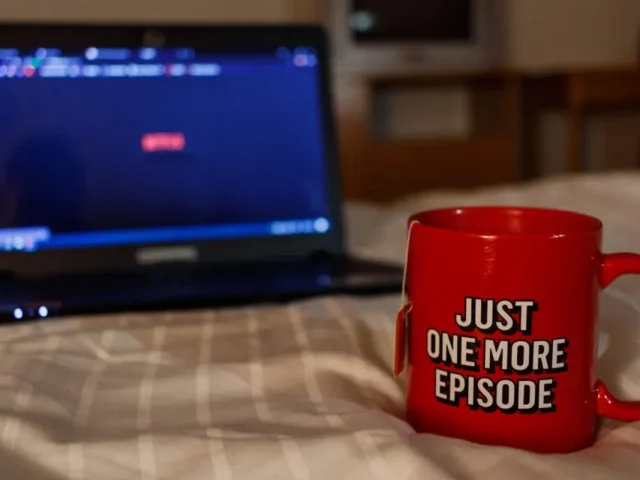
(154, 10)
(549, 33)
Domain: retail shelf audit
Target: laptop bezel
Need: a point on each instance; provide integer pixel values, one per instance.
(209, 38)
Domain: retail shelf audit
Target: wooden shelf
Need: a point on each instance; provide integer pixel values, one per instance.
(577, 92)
(451, 76)
(382, 169)
(405, 167)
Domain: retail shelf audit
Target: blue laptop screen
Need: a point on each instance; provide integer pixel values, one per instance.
(113, 147)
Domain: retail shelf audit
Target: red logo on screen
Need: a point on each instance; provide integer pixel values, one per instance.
(163, 142)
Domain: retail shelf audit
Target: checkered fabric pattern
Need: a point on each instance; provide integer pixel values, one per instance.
(300, 391)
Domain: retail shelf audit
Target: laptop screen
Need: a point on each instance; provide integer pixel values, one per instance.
(110, 146)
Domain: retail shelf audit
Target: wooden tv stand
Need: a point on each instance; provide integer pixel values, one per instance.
(382, 169)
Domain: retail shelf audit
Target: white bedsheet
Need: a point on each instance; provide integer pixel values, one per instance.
(297, 392)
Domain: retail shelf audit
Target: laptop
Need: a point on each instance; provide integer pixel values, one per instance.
(153, 167)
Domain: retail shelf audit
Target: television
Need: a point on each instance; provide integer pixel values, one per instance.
(370, 36)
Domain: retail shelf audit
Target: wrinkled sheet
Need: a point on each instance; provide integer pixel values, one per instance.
(299, 391)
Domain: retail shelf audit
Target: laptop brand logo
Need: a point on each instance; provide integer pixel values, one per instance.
(155, 255)
(153, 38)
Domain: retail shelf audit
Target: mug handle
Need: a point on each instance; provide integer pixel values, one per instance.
(613, 266)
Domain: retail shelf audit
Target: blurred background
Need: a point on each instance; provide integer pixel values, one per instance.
(438, 94)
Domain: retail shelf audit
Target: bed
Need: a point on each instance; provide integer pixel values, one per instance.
(300, 391)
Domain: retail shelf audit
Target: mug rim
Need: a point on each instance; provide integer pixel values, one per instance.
(427, 218)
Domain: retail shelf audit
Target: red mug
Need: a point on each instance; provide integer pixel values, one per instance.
(500, 326)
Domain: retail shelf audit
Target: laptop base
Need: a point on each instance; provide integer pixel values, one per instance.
(163, 288)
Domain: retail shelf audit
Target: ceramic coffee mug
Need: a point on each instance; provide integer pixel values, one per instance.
(500, 326)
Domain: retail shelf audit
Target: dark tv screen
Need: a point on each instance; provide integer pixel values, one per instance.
(377, 21)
